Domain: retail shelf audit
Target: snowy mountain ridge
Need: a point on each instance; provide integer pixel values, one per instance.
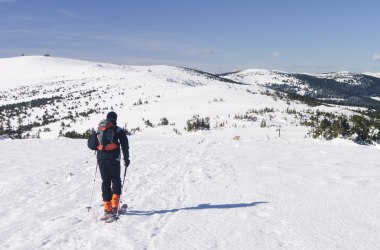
(372, 74)
(53, 90)
(349, 88)
(265, 76)
(50, 96)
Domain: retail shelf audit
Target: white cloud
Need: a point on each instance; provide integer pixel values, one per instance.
(206, 51)
(376, 57)
(276, 54)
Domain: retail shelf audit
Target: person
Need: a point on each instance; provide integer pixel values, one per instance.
(108, 157)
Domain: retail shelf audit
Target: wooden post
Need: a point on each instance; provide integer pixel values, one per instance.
(279, 131)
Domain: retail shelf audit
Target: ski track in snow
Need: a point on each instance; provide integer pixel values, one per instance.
(196, 191)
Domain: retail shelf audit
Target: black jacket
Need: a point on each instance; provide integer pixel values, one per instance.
(120, 138)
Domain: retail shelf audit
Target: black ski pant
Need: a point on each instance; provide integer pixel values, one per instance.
(110, 172)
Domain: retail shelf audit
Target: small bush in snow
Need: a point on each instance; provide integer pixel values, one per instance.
(197, 123)
(177, 131)
(148, 123)
(220, 124)
(132, 131)
(245, 117)
(75, 135)
(139, 102)
(263, 124)
(164, 121)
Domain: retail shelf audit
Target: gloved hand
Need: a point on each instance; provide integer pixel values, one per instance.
(126, 163)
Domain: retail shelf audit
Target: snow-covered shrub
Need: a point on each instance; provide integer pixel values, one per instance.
(359, 128)
(164, 121)
(263, 124)
(197, 123)
(148, 123)
(75, 135)
(177, 131)
(132, 131)
(247, 117)
(139, 102)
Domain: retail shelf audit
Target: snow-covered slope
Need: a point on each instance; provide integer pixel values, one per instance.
(266, 77)
(261, 77)
(270, 78)
(28, 70)
(84, 92)
(372, 74)
(344, 88)
(237, 186)
(203, 190)
(340, 76)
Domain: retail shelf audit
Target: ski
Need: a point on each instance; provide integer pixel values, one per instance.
(109, 218)
(123, 209)
(105, 217)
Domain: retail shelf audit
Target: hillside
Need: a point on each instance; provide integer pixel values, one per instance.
(343, 88)
(254, 179)
(83, 92)
(72, 102)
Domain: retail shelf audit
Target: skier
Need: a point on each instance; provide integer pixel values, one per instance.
(109, 139)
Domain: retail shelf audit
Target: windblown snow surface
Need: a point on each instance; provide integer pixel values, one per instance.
(236, 187)
(198, 191)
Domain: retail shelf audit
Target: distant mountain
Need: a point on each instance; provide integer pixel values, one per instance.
(372, 74)
(345, 88)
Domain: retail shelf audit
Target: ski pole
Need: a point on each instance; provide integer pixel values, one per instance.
(122, 186)
(93, 185)
(125, 173)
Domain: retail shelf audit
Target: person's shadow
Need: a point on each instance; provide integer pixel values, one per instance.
(199, 207)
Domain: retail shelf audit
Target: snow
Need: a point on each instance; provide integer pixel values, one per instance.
(341, 77)
(201, 190)
(372, 74)
(196, 190)
(262, 76)
(36, 69)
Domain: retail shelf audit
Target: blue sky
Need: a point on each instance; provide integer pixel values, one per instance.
(211, 35)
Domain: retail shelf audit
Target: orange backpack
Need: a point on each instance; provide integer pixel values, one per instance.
(105, 135)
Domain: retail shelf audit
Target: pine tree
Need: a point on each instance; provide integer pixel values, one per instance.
(1, 128)
(19, 129)
(361, 127)
(8, 129)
